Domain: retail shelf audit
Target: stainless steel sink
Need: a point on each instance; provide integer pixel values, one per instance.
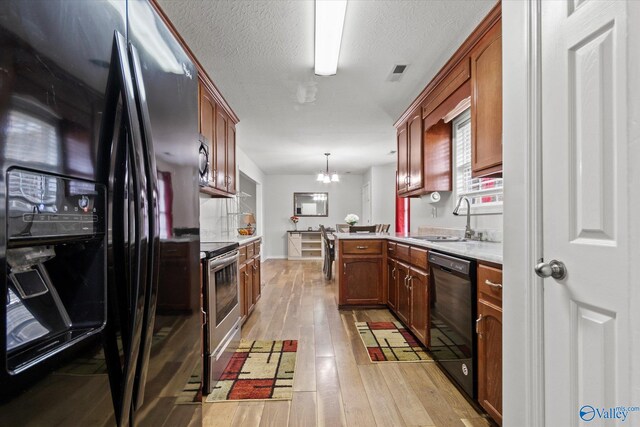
(441, 239)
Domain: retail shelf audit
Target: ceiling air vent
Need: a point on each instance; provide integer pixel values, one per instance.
(396, 72)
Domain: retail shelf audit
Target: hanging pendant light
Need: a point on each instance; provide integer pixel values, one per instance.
(325, 176)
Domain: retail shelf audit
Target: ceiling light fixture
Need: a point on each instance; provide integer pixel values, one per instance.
(325, 177)
(329, 23)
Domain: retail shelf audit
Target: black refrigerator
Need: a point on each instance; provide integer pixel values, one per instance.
(99, 217)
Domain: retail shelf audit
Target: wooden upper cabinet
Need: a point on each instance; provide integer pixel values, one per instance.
(486, 103)
(403, 159)
(220, 168)
(205, 126)
(414, 126)
(424, 140)
(437, 157)
(231, 157)
(410, 155)
(207, 107)
(220, 132)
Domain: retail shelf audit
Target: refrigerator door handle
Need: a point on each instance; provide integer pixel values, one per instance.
(154, 227)
(132, 299)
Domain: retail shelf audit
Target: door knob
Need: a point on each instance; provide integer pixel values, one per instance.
(555, 269)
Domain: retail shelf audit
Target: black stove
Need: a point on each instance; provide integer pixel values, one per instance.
(213, 249)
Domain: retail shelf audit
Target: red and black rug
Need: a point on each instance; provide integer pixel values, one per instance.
(258, 370)
(391, 342)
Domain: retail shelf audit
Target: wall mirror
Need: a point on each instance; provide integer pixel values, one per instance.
(311, 204)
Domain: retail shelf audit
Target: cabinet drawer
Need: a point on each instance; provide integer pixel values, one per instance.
(419, 258)
(490, 284)
(362, 247)
(250, 250)
(243, 254)
(402, 252)
(391, 249)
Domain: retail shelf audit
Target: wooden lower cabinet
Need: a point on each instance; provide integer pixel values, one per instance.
(418, 288)
(403, 310)
(256, 282)
(250, 279)
(411, 287)
(392, 284)
(361, 272)
(362, 281)
(242, 284)
(489, 331)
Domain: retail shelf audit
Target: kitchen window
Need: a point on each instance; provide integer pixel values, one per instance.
(484, 194)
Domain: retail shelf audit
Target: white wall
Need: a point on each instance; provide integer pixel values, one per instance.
(344, 198)
(383, 194)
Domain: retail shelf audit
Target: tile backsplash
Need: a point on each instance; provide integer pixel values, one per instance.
(217, 218)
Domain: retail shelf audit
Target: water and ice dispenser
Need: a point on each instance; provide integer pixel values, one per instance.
(56, 266)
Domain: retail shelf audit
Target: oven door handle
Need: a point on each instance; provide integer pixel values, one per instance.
(217, 263)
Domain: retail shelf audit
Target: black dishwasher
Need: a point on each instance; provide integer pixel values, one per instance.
(452, 308)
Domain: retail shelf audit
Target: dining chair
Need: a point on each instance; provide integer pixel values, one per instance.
(329, 253)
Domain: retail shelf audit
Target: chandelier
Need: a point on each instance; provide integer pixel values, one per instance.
(325, 177)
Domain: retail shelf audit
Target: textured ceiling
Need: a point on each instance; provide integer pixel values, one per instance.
(260, 55)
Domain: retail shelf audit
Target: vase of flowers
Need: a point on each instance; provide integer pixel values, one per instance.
(294, 219)
(351, 219)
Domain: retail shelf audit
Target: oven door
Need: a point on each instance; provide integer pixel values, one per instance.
(223, 298)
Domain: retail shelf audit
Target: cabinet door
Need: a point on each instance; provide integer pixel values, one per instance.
(249, 287)
(437, 157)
(490, 359)
(414, 126)
(243, 289)
(404, 296)
(206, 128)
(220, 165)
(295, 246)
(486, 103)
(403, 159)
(231, 157)
(392, 284)
(256, 280)
(418, 285)
(362, 280)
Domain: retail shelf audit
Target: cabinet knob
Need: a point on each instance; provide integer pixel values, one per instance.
(362, 247)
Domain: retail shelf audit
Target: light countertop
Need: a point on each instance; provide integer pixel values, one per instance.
(482, 251)
(232, 238)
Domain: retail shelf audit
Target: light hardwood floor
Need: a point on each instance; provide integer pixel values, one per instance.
(335, 382)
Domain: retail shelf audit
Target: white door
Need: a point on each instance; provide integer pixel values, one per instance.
(585, 213)
(366, 204)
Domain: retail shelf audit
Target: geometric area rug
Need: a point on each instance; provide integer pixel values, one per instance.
(258, 370)
(391, 342)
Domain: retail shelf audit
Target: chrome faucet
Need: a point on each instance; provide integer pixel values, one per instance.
(468, 232)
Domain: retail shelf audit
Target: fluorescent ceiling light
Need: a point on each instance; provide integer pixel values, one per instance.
(329, 23)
